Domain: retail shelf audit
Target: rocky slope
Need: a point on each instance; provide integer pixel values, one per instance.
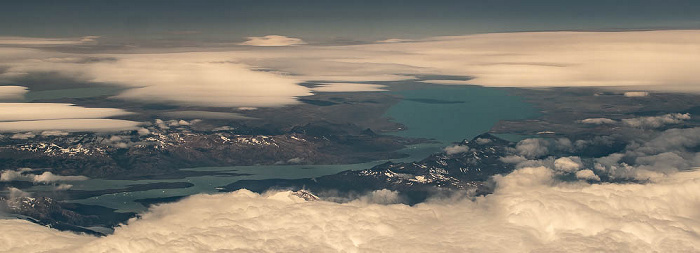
(466, 167)
(61, 215)
(161, 151)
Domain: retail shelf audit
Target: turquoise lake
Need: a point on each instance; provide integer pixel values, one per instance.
(453, 113)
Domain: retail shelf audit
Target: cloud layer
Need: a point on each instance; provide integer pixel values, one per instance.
(197, 79)
(646, 60)
(656, 121)
(43, 111)
(553, 58)
(23, 117)
(70, 125)
(646, 122)
(647, 157)
(265, 76)
(12, 92)
(24, 41)
(530, 211)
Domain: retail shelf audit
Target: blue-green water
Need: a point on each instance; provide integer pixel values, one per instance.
(453, 113)
(257, 172)
(123, 202)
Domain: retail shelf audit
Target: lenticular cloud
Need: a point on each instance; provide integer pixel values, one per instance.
(273, 41)
(530, 211)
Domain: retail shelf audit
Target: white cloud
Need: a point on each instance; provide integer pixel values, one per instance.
(666, 153)
(532, 147)
(12, 92)
(58, 118)
(23, 236)
(513, 159)
(567, 164)
(23, 136)
(89, 39)
(482, 141)
(160, 124)
(653, 58)
(191, 78)
(393, 40)
(53, 133)
(273, 41)
(648, 157)
(636, 94)
(26, 41)
(529, 211)
(656, 121)
(449, 82)
(656, 60)
(15, 193)
(348, 87)
(295, 160)
(629, 59)
(70, 125)
(587, 175)
(43, 111)
(143, 131)
(12, 175)
(63, 187)
(201, 79)
(46, 177)
(598, 121)
(456, 149)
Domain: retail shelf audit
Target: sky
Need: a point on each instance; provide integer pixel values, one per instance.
(547, 204)
(333, 20)
(210, 53)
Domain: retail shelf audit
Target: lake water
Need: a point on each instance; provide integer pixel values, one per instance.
(453, 113)
(123, 202)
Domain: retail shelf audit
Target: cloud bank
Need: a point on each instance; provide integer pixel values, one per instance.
(647, 157)
(194, 78)
(263, 76)
(24, 117)
(12, 92)
(44, 111)
(70, 125)
(529, 211)
(198, 79)
(647, 122)
(650, 58)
